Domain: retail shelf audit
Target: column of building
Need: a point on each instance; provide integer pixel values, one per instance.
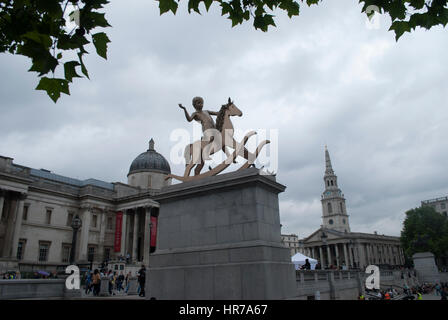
(17, 224)
(103, 215)
(84, 237)
(124, 222)
(135, 258)
(346, 259)
(2, 202)
(147, 235)
(321, 257)
(370, 253)
(336, 251)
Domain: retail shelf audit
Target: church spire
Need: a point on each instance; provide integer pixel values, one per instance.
(334, 212)
(328, 167)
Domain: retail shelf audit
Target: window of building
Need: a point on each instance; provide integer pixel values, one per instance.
(341, 207)
(109, 223)
(330, 209)
(328, 183)
(48, 216)
(91, 254)
(25, 212)
(21, 249)
(442, 206)
(330, 221)
(106, 254)
(69, 218)
(44, 248)
(94, 220)
(66, 249)
(343, 221)
(331, 182)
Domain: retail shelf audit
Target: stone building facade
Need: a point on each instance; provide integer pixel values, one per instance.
(37, 208)
(291, 241)
(335, 244)
(439, 204)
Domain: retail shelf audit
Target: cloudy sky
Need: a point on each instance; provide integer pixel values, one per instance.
(323, 78)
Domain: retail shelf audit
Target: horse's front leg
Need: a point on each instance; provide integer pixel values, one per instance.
(197, 170)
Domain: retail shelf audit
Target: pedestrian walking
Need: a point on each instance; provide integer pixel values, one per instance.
(142, 280)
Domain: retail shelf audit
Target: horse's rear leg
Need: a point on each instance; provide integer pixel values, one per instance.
(246, 154)
(197, 170)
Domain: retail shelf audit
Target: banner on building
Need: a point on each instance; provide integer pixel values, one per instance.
(153, 234)
(118, 224)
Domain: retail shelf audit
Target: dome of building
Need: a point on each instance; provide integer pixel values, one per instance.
(150, 161)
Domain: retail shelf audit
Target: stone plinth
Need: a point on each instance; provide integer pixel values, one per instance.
(426, 267)
(133, 286)
(104, 287)
(219, 238)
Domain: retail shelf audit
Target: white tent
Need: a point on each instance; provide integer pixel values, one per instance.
(299, 260)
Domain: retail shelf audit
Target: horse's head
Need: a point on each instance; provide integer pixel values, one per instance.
(233, 109)
(227, 110)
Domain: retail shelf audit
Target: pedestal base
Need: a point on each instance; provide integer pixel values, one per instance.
(219, 238)
(425, 265)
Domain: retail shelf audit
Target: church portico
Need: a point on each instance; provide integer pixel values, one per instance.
(334, 244)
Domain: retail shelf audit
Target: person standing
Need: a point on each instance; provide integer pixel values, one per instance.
(88, 282)
(444, 293)
(120, 281)
(96, 281)
(142, 280)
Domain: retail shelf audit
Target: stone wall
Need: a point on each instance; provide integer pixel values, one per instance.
(443, 276)
(331, 285)
(32, 288)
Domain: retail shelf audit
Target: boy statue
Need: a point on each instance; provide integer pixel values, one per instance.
(206, 121)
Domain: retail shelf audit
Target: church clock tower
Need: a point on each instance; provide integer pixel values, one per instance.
(333, 203)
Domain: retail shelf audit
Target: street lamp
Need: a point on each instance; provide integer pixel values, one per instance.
(76, 224)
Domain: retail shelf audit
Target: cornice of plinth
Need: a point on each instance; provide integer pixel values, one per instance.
(232, 180)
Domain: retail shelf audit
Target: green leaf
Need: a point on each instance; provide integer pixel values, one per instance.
(400, 27)
(43, 39)
(193, 4)
(83, 67)
(100, 41)
(310, 2)
(167, 5)
(164, 6)
(53, 87)
(70, 71)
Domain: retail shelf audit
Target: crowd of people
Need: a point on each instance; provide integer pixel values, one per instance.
(117, 283)
(408, 293)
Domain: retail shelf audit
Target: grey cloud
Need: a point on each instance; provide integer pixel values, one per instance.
(321, 78)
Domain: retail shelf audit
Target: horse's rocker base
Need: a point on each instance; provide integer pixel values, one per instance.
(219, 238)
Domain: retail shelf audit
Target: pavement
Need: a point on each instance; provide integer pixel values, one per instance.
(431, 296)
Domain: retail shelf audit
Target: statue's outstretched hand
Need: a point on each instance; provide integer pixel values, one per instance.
(181, 106)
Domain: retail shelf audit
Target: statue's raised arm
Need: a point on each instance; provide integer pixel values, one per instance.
(189, 118)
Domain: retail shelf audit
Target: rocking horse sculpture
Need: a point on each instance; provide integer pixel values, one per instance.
(215, 139)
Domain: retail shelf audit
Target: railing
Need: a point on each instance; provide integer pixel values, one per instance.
(435, 200)
(324, 275)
